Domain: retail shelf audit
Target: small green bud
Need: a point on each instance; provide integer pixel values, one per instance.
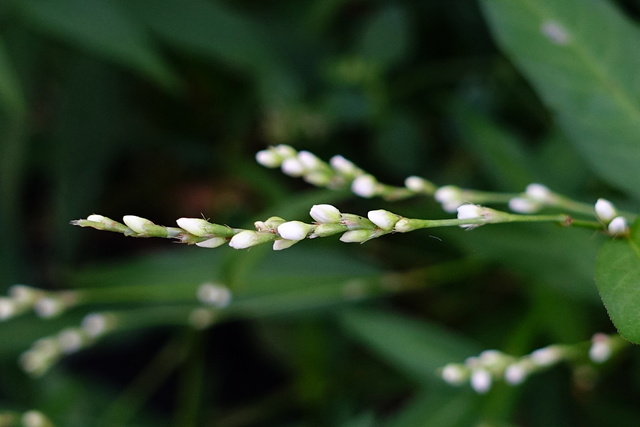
(357, 236)
(324, 230)
(201, 227)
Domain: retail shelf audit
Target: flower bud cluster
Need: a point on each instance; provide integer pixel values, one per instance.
(608, 215)
(337, 173)
(307, 165)
(22, 298)
(492, 365)
(535, 197)
(45, 352)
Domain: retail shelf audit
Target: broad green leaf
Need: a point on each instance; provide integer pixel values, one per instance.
(582, 57)
(102, 27)
(618, 280)
(11, 96)
(414, 347)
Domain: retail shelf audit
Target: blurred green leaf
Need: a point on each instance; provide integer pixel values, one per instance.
(416, 348)
(582, 57)
(385, 37)
(11, 96)
(618, 277)
(442, 406)
(559, 258)
(217, 33)
(102, 27)
(500, 153)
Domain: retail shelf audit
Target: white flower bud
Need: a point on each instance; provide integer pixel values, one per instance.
(524, 205)
(383, 219)
(35, 419)
(539, 193)
(214, 242)
(97, 218)
(48, 307)
(281, 244)
(293, 167)
(618, 226)
(356, 236)
(469, 211)
(600, 350)
(481, 380)
(325, 214)
(448, 194)
(213, 294)
(196, 226)
(192, 225)
(70, 340)
(23, 295)
(418, 185)
(546, 356)
(365, 186)
(515, 374)
(490, 357)
(309, 160)
(245, 239)
(294, 230)
(285, 151)
(343, 166)
(8, 308)
(454, 374)
(137, 224)
(96, 324)
(605, 211)
(268, 158)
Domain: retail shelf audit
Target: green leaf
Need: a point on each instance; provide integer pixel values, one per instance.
(101, 27)
(618, 280)
(384, 39)
(218, 34)
(582, 57)
(416, 348)
(442, 406)
(500, 153)
(11, 96)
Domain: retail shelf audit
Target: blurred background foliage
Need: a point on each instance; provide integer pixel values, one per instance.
(156, 108)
